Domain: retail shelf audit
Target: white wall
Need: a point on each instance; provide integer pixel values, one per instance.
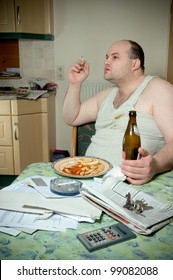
(89, 27)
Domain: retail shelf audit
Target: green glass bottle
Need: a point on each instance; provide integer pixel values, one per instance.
(131, 139)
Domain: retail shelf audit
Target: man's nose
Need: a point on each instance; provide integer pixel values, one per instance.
(107, 61)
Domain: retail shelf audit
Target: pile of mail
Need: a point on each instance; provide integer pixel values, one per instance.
(26, 206)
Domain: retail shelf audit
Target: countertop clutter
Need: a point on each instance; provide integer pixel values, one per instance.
(13, 93)
(37, 87)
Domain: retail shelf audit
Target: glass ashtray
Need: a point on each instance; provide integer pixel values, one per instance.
(65, 186)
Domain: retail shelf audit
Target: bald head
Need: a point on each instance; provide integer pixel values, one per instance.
(133, 49)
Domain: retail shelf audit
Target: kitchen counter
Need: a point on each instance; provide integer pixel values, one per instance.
(27, 131)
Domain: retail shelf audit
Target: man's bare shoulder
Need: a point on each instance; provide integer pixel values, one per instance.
(158, 90)
(158, 85)
(158, 95)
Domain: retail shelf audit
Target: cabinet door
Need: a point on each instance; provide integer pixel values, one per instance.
(6, 160)
(7, 17)
(5, 131)
(6, 149)
(27, 140)
(34, 16)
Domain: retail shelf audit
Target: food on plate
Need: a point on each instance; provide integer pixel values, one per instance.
(83, 167)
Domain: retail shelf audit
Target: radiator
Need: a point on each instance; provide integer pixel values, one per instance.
(90, 88)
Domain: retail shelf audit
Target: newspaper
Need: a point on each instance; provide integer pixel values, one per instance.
(133, 207)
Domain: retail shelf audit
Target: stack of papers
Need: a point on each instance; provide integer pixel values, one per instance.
(25, 206)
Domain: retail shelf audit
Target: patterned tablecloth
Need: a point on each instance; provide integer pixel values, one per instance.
(44, 245)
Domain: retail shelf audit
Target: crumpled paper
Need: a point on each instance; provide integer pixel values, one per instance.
(39, 81)
(114, 174)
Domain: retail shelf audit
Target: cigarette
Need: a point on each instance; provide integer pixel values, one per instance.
(83, 60)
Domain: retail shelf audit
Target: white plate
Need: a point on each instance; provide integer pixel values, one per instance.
(81, 167)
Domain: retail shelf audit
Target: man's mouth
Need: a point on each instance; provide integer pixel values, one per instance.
(107, 70)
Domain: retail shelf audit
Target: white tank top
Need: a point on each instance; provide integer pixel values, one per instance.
(111, 124)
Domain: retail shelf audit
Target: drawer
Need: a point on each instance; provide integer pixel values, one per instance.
(23, 107)
(5, 107)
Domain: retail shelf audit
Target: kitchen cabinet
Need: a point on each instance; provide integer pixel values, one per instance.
(7, 18)
(25, 17)
(27, 133)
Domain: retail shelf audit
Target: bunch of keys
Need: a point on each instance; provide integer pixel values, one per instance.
(139, 206)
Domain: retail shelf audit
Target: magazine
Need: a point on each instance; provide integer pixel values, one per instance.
(133, 207)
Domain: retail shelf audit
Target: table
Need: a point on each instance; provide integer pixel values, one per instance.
(46, 245)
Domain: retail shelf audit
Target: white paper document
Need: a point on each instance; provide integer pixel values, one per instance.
(23, 208)
(36, 221)
(36, 203)
(11, 231)
(15, 219)
(22, 204)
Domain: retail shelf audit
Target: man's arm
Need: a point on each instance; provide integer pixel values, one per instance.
(76, 75)
(142, 170)
(76, 112)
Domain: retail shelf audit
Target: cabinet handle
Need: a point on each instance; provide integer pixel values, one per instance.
(16, 135)
(18, 15)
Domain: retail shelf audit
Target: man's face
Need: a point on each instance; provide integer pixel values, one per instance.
(118, 65)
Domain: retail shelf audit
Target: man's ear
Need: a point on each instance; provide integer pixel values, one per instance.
(136, 64)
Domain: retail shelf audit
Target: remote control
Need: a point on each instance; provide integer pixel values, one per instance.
(106, 236)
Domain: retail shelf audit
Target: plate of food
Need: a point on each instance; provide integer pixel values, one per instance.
(81, 167)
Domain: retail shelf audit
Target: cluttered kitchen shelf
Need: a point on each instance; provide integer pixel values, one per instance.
(10, 78)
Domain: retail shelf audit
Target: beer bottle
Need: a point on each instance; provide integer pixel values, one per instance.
(131, 140)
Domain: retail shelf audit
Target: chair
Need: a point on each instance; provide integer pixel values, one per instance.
(81, 138)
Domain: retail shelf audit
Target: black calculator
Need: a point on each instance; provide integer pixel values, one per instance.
(105, 236)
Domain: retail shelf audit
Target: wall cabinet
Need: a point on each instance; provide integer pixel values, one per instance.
(23, 16)
(7, 18)
(27, 133)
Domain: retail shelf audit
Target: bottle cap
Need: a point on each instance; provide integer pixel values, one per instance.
(132, 113)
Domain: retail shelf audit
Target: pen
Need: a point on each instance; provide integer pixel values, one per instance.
(29, 184)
